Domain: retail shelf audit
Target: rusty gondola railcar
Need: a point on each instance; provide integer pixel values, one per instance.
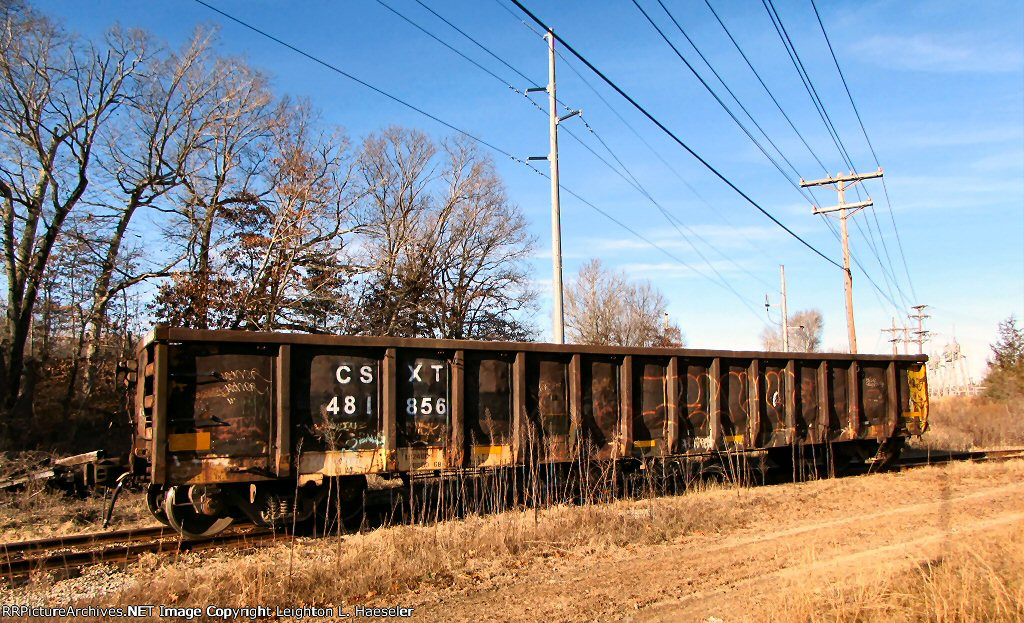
(254, 426)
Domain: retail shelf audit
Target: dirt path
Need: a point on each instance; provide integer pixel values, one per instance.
(844, 532)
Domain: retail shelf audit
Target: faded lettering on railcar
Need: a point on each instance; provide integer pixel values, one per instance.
(423, 400)
(344, 398)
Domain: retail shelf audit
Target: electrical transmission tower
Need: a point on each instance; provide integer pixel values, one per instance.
(921, 334)
(840, 183)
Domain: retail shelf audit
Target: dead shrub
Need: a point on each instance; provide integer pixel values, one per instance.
(964, 423)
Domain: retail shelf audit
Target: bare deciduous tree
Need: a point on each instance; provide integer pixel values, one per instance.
(235, 144)
(603, 307)
(446, 249)
(123, 163)
(56, 95)
(151, 145)
(805, 329)
(288, 259)
(396, 170)
(481, 283)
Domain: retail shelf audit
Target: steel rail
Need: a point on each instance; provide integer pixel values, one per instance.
(87, 539)
(916, 459)
(67, 554)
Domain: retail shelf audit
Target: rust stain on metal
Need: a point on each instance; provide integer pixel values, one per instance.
(221, 408)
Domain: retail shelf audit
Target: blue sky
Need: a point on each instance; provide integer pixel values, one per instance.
(939, 85)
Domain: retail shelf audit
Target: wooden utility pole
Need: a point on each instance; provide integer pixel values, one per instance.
(556, 218)
(841, 183)
(920, 333)
(895, 340)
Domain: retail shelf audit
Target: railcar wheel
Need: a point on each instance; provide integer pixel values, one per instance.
(186, 520)
(155, 502)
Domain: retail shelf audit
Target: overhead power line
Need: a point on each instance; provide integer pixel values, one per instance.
(625, 173)
(721, 103)
(458, 130)
(831, 227)
(765, 86)
(871, 147)
(671, 134)
(871, 280)
(819, 105)
(570, 63)
(477, 43)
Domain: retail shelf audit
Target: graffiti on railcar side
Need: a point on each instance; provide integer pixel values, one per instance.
(773, 421)
(227, 395)
(736, 412)
(696, 394)
(917, 379)
(235, 384)
(915, 418)
(650, 419)
(873, 398)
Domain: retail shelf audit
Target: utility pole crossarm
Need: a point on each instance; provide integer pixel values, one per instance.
(840, 178)
(894, 340)
(921, 334)
(841, 183)
(846, 206)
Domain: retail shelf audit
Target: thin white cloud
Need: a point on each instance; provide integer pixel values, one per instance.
(949, 136)
(715, 236)
(940, 53)
(645, 270)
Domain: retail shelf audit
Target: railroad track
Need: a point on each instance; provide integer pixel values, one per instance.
(917, 458)
(67, 554)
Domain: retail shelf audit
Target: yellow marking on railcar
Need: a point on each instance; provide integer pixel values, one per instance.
(185, 442)
(734, 438)
(488, 449)
(917, 379)
(650, 443)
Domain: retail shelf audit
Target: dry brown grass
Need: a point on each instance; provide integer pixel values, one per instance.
(355, 569)
(974, 579)
(37, 511)
(977, 579)
(963, 423)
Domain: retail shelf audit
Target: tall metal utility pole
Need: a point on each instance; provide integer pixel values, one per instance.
(785, 314)
(556, 218)
(840, 183)
(920, 333)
